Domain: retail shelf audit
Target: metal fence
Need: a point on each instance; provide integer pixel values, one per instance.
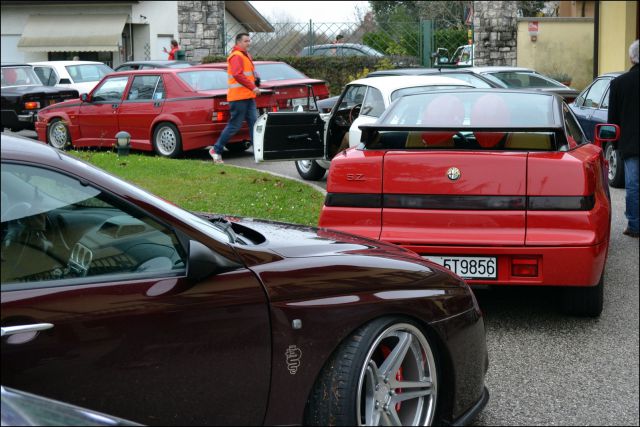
(416, 41)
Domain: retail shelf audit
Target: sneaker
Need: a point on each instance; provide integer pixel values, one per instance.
(631, 233)
(217, 158)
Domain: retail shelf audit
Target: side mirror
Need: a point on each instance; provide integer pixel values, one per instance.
(204, 262)
(606, 132)
(85, 97)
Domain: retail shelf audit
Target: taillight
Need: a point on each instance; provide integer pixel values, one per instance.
(220, 116)
(31, 105)
(524, 267)
(274, 109)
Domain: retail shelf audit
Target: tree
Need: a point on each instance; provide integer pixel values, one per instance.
(447, 14)
(530, 8)
(388, 11)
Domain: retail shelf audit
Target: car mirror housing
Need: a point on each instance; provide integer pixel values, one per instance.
(606, 132)
(85, 97)
(204, 262)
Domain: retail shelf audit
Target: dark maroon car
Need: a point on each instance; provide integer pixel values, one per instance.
(118, 301)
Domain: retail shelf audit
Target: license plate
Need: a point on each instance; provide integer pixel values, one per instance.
(468, 267)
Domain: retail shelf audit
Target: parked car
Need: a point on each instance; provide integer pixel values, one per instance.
(463, 56)
(500, 186)
(166, 110)
(591, 108)
(292, 89)
(362, 101)
(147, 65)
(80, 75)
(26, 409)
(339, 49)
(163, 316)
(23, 95)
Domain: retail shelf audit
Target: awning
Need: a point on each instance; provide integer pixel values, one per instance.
(72, 33)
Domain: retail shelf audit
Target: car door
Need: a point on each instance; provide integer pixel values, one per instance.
(590, 103)
(98, 309)
(289, 136)
(373, 105)
(98, 116)
(143, 102)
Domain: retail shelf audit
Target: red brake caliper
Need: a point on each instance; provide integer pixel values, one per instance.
(385, 353)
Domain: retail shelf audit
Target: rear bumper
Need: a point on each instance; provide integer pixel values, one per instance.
(13, 120)
(557, 265)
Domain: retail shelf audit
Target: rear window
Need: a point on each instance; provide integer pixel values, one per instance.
(463, 140)
(19, 76)
(523, 79)
(87, 72)
(268, 72)
(418, 89)
(205, 79)
(472, 109)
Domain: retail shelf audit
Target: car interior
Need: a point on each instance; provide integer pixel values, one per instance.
(54, 228)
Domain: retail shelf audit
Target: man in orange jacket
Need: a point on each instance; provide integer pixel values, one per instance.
(241, 94)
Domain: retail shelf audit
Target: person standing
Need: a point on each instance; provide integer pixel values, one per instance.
(242, 89)
(624, 110)
(174, 49)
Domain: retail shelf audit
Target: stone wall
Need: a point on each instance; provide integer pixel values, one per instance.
(201, 28)
(495, 32)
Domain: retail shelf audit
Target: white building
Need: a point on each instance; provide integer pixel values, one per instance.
(117, 31)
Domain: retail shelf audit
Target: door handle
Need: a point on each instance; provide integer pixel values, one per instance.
(157, 104)
(114, 106)
(21, 329)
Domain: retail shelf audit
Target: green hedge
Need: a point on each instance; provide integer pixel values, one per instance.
(336, 71)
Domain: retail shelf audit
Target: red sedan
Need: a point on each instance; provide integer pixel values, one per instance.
(166, 110)
(291, 87)
(502, 187)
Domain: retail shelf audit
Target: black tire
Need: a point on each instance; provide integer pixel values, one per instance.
(584, 301)
(58, 134)
(167, 141)
(360, 385)
(616, 167)
(310, 170)
(238, 147)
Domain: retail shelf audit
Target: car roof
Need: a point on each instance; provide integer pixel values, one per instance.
(155, 62)
(417, 71)
(14, 64)
(65, 63)
(497, 68)
(17, 147)
(397, 82)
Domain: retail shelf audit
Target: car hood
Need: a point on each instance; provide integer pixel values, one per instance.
(298, 241)
(67, 103)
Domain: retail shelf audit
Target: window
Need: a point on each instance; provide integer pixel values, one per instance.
(111, 89)
(55, 228)
(19, 76)
(373, 104)
(47, 75)
(353, 96)
(143, 88)
(205, 79)
(593, 97)
(574, 132)
(87, 72)
(469, 78)
(605, 100)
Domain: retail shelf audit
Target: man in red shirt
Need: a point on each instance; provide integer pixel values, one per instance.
(242, 89)
(172, 52)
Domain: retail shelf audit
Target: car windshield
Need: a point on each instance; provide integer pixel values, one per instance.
(205, 79)
(522, 79)
(269, 72)
(475, 109)
(19, 76)
(87, 72)
(469, 78)
(419, 89)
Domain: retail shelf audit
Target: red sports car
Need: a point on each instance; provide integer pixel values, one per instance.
(167, 110)
(501, 187)
(293, 90)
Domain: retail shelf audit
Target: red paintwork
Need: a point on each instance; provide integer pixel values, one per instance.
(95, 124)
(284, 90)
(570, 246)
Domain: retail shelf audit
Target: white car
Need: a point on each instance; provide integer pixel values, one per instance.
(362, 101)
(79, 75)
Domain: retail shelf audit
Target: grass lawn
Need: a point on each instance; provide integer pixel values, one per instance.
(198, 185)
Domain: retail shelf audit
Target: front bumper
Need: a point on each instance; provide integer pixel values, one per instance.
(13, 120)
(469, 415)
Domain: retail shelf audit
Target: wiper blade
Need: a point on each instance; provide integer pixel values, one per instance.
(225, 225)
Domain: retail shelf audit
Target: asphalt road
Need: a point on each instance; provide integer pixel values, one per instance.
(547, 368)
